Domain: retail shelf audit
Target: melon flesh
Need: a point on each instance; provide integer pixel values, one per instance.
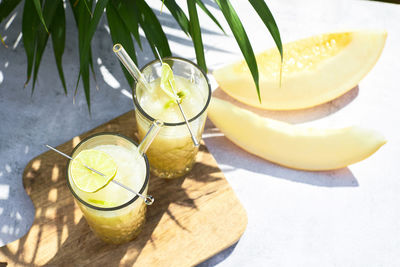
(315, 70)
(293, 146)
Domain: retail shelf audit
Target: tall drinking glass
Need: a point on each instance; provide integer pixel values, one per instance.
(113, 213)
(172, 153)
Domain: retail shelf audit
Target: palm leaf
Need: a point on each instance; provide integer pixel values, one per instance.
(57, 30)
(49, 10)
(265, 14)
(195, 32)
(152, 29)
(94, 21)
(125, 17)
(129, 15)
(205, 9)
(6, 7)
(84, 73)
(83, 20)
(87, 8)
(87, 24)
(241, 38)
(38, 8)
(178, 14)
(120, 34)
(41, 41)
(75, 10)
(92, 67)
(30, 22)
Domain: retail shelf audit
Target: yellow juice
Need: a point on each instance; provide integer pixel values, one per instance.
(172, 152)
(113, 213)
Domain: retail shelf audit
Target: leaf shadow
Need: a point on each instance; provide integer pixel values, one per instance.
(220, 257)
(61, 236)
(299, 115)
(244, 160)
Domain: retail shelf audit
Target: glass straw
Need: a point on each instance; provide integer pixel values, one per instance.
(142, 148)
(130, 65)
(138, 76)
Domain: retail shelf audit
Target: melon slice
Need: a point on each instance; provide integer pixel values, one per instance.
(293, 146)
(315, 70)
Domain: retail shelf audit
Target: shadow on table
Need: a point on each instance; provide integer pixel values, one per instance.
(61, 236)
(244, 160)
(299, 115)
(219, 257)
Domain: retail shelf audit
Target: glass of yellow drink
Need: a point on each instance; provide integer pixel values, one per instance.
(113, 213)
(172, 153)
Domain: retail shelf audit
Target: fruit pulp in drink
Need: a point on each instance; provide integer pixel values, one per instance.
(122, 224)
(172, 153)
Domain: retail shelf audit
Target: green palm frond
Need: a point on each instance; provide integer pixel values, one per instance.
(120, 33)
(42, 34)
(269, 21)
(178, 14)
(195, 32)
(129, 15)
(241, 38)
(207, 11)
(6, 7)
(125, 18)
(30, 23)
(57, 30)
(152, 29)
(38, 7)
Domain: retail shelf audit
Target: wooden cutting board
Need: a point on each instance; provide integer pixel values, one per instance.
(192, 219)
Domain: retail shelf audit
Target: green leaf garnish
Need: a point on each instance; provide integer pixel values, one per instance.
(181, 94)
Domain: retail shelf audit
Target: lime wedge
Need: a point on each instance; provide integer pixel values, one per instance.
(166, 77)
(87, 180)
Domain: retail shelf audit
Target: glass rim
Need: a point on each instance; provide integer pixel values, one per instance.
(145, 183)
(137, 105)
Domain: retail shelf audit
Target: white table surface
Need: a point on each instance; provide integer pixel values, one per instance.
(348, 217)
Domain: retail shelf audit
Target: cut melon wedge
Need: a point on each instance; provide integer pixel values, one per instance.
(293, 146)
(315, 70)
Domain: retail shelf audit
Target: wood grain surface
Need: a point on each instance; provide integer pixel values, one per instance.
(192, 219)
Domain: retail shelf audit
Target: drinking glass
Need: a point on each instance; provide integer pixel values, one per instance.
(121, 223)
(172, 153)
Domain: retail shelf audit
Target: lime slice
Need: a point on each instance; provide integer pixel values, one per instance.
(87, 180)
(166, 77)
